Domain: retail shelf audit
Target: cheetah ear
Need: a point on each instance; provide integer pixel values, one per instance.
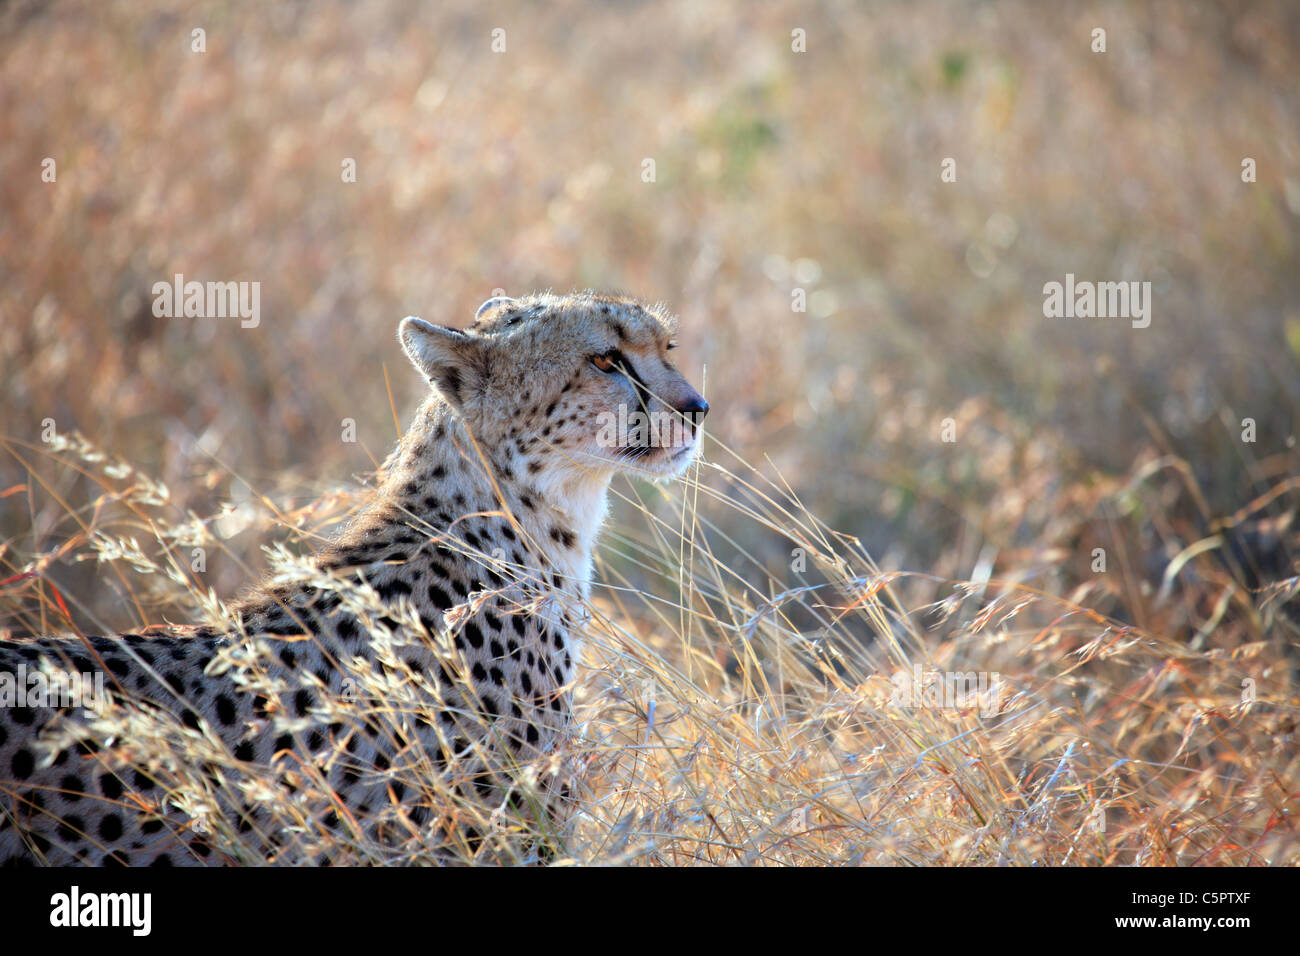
(494, 303)
(447, 357)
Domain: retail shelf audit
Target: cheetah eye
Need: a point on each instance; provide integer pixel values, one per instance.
(608, 361)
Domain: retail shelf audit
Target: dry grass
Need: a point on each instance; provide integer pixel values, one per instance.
(731, 715)
(735, 707)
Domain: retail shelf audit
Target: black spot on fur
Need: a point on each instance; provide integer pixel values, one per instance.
(440, 598)
(110, 827)
(22, 764)
(346, 628)
(110, 786)
(394, 588)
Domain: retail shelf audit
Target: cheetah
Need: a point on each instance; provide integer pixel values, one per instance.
(461, 584)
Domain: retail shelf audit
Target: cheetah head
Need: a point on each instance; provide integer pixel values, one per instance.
(559, 386)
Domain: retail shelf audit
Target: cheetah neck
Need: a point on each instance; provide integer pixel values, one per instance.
(439, 473)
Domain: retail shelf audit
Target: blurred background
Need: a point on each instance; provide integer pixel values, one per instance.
(775, 171)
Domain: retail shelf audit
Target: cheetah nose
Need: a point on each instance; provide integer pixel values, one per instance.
(694, 410)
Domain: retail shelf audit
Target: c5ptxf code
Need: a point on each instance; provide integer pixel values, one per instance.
(1186, 898)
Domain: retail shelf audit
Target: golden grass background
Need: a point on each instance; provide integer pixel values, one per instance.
(734, 709)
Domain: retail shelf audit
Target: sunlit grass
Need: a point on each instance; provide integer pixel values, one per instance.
(734, 714)
(748, 625)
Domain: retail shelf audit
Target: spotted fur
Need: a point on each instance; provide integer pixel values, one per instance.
(473, 561)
